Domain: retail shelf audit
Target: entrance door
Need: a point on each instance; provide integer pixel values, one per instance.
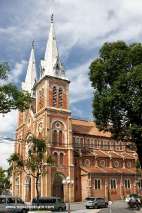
(58, 189)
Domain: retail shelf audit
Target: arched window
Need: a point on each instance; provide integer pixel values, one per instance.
(87, 162)
(97, 184)
(60, 98)
(17, 186)
(41, 98)
(60, 137)
(58, 133)
(54, 137)
(61, 158)
(55, 156)
(81, 141)
(92, 143)
(54, 97)
(113, 183)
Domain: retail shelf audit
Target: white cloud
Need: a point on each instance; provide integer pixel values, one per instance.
(17, 71)
(80, 87)
(8, 122)
(7, 129)
(79, 23)
(5, 152)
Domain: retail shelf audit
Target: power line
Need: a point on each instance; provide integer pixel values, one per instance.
(8, 140)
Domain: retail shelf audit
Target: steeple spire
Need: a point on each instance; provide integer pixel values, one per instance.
(31, 78)
(51, 52)
(51, 64)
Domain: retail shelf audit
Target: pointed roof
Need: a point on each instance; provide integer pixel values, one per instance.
(51, 52)
(51, 65)
(31, 77)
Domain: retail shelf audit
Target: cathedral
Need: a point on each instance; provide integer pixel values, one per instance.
(96, 164)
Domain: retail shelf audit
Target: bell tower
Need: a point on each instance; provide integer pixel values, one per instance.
(53, 119)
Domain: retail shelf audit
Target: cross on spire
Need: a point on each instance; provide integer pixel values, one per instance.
(52, 18)
(33, 44)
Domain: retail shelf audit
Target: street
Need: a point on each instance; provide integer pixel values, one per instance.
(75, 207)
(117, 207)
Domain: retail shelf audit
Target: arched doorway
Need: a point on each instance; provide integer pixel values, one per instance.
(28, 189)
(58, 188)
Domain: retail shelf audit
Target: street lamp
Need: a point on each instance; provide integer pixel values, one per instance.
(67, 181)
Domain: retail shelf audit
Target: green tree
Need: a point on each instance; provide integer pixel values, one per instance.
(116, 76)
(10, 96)
(138, 165)
(4, 180)
(35, 161)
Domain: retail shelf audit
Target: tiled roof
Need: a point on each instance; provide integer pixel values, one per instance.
(99, 153)
(109, 170)
(125, 155)
(111, 154)
(130, 155)
(87, 128)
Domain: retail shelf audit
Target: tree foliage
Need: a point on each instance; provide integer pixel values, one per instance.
(4, 181)
(35, 162)
(10, 96)
(116, 76)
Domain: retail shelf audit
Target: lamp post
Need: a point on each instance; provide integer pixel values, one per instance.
(67, 181)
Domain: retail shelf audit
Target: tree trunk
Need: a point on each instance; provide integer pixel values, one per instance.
(37, 190)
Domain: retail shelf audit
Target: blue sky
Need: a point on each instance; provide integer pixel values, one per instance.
(81, 26)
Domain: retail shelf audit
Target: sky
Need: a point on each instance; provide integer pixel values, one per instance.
(82, 26)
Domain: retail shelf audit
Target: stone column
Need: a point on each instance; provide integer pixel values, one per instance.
(49, 182)
(23, 185)
(13, 184)
(20, 185)
(32, 187)
(105, 180)
(123, 163)
(41, 185)
(121, 187)
(70, 159)
(110, 162)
